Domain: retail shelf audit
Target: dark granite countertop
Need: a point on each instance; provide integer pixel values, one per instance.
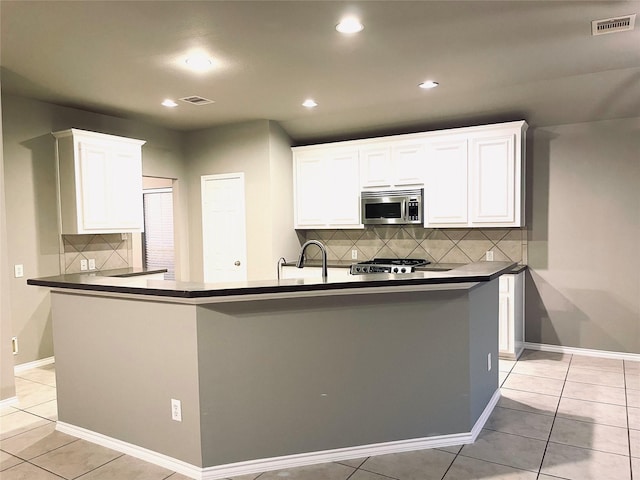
(127, 272)
(470, 273)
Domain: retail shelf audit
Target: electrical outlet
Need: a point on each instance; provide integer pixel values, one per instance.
(489, 256)
(18, 271)
(83, 264)
(489, 362)
(14, 345)
(354, 254)
(92, 264)
(176, 410)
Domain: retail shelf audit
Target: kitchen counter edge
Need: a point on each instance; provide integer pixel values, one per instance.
(138, 285)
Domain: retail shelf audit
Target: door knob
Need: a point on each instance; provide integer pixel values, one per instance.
(237, 263)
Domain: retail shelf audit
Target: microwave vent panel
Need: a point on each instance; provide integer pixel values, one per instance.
(613, 25)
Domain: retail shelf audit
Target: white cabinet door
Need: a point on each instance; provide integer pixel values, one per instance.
(511, 316)
(125, 185)
(94, 172)
(505, 315)
(446, 183)
(392, 164)
(408, 163)
(309, 189)
(375, 166)
(327, 188)
(99, 182)
(342, 187)
(492, 180)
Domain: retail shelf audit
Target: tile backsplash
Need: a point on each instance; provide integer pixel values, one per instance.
(109, 251)
(451, 245)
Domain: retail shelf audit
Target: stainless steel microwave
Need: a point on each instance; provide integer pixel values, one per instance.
(391, 207)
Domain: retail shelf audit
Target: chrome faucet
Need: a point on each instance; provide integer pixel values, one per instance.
(322, 248)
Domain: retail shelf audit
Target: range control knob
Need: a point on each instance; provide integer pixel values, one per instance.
(402, 270)
(395, 270)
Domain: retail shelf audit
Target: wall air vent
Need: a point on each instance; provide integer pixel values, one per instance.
(613, 25)
(196, 100)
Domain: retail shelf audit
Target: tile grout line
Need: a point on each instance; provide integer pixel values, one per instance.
(99, 466)
(505, 433)
(626, 408)
(546, 447)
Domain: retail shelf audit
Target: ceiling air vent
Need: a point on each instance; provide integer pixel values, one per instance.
(613, 25)
(196, 100)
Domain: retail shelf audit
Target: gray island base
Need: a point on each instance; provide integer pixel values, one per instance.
(277, 382)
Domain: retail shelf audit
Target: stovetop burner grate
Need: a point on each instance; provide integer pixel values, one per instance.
(416, 262)
(388, 265)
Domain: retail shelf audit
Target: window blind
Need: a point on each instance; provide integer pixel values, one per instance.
(158, 231)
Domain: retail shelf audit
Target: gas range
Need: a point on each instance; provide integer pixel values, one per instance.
(388, 265)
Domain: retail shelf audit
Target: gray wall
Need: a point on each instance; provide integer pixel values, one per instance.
(583, 288)
(29, 184)
(280, 377)
(7, 383)
(260, 149)
(134, 357)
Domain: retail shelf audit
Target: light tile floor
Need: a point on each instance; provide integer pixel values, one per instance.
(559, 417)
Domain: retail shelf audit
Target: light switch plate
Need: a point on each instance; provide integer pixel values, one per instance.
(18, 271)
(83, 264)
(92, 264)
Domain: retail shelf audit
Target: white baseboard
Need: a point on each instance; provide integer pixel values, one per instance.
(35, 364)
(284, 462)
(634, 357)
(7, 402)
(133, 450)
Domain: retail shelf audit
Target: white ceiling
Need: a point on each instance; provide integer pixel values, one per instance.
(495, 61)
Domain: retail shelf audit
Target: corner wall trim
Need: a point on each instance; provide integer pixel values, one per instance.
(35, 364)
(588, 352)
(289, 461)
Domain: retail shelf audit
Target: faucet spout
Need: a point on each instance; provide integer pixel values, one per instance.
(323, 250)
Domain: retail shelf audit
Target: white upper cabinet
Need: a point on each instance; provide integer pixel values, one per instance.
(472, 176)
(408, 160)
(446, 184)
(496, 178)
(375, 166)
(392, 164)
(326, 188)
(99, 182)
(475, 177)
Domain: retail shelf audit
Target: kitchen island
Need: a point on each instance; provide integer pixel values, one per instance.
(276, 373)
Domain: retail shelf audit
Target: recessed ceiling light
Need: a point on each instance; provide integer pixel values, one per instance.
(309, 103)
(428, 84)
(169, 103)
(349, 25)
(199, 63)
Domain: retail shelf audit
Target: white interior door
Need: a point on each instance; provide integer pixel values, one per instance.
(224, 243)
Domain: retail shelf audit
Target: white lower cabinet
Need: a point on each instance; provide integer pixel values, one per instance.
(511, 316)
(334, 273)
